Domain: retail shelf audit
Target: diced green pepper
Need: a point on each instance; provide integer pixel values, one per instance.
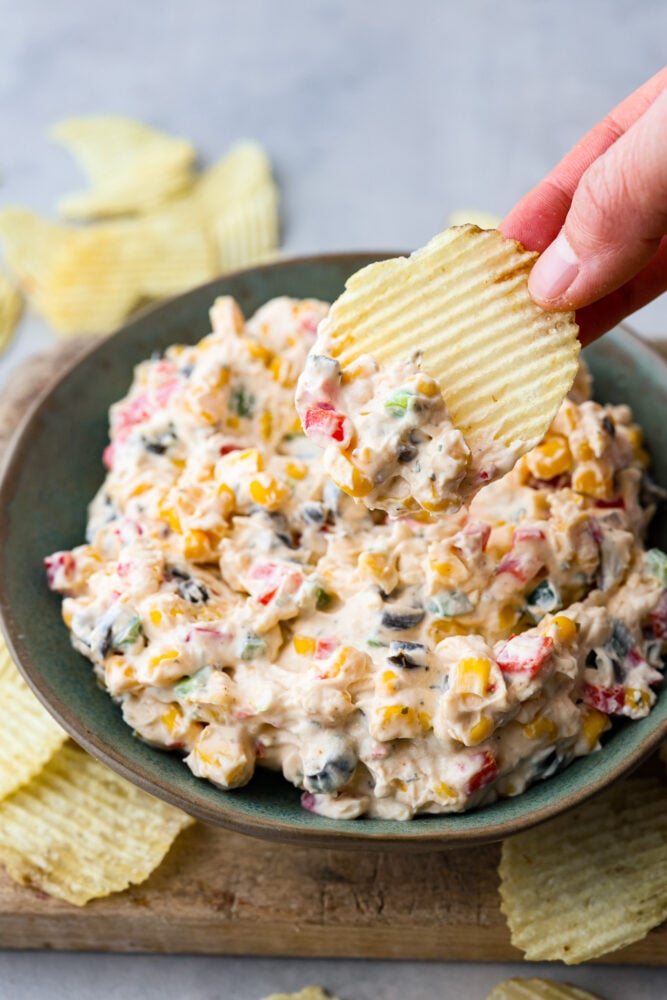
(398, 402)
(241, 402)
(323, 599)
(192, 683)
(450, 604)
(252, 645)
(656, 564)
(128, 635)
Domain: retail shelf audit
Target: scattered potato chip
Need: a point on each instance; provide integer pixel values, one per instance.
(591, 881)
(11, 305)
(79, 831)
(307, 993)
(132, 167)
(538, 989)
(76, 278)
(475, 217)
(504, 364)
(169, 251)
(30, 736)
(238, 199)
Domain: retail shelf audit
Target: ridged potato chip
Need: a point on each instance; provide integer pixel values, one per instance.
(131, 166)
(238, 201)
(79, 831)
(30, 737)
(11, 306)
(504, 364)
(538, 989)
(591, 881)
(474, 216)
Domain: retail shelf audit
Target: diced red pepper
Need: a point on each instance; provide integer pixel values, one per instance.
(142, 407)
(270, 577)
(609, 700)
(487, 772)
(595, 530)
(472, 538)
(659, 617)
(226, 449)
(108, 456)
(524, 654)
(523, 566)
(617, 504)
(325, 647)
(310, 324)
(309, 802)
(528, 534)
(325, 421)
(59, 562)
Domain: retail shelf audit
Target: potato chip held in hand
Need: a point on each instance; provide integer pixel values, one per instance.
(433, 373)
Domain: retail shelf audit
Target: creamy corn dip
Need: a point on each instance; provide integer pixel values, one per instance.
(242, 609)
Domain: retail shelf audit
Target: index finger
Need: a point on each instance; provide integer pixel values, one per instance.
(538, 218)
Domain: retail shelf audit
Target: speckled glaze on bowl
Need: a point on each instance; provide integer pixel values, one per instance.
(52, 470)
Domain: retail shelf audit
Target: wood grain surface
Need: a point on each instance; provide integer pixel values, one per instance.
(223, 893)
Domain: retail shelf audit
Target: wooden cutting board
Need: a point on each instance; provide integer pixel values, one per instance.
(223, 893)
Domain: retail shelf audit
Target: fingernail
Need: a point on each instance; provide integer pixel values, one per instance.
(555, 271)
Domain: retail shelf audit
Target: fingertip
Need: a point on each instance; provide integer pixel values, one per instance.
(554, 274)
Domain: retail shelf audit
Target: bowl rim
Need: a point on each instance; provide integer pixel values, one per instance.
(359, 835)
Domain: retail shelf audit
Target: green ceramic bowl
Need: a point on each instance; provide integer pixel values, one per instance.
(53, 469)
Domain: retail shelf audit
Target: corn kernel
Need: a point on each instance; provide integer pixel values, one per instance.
(541, 727)
(442, 568)
(507, 616)
(178, 463)
(425, 721)
(636, 440)
(275, 369)
(390, 681)
(268, 492)
(170, 654)
(67, 618)
(196, 544)
(222, 379)
(303, 644)
(297, 470)
(170, 515)
(480, 731)
(358, 485)
(566, 629)
(233, 422)
(390, 712)
(595, 480)
(636, 698)
(171, 717)
(472, 676)
(427, 387)
(266, 424)
(141, 488)
(593, 725)
(551, 458)
(258, 351)
(444, 791)
(443, 628)
(155, 616)
(583, 452)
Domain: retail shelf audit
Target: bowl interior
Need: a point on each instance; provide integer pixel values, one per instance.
(54, 468)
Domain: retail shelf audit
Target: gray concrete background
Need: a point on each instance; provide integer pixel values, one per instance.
(381, 117)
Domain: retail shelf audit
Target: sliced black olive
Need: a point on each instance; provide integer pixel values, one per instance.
(608, 425)
(106, 642)
(406, 454)
(400, 619)
(336, 772)
(314, 513)
(176, 574)
(408, 655)
(194, 592)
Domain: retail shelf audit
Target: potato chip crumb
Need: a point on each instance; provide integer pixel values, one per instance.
(538, 989)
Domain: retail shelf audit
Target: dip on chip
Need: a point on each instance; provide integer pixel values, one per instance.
(433, 373)
(243, 610)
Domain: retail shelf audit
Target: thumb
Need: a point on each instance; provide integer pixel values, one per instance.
(615, 222)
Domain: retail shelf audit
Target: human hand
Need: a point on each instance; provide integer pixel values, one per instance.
(599, 218)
